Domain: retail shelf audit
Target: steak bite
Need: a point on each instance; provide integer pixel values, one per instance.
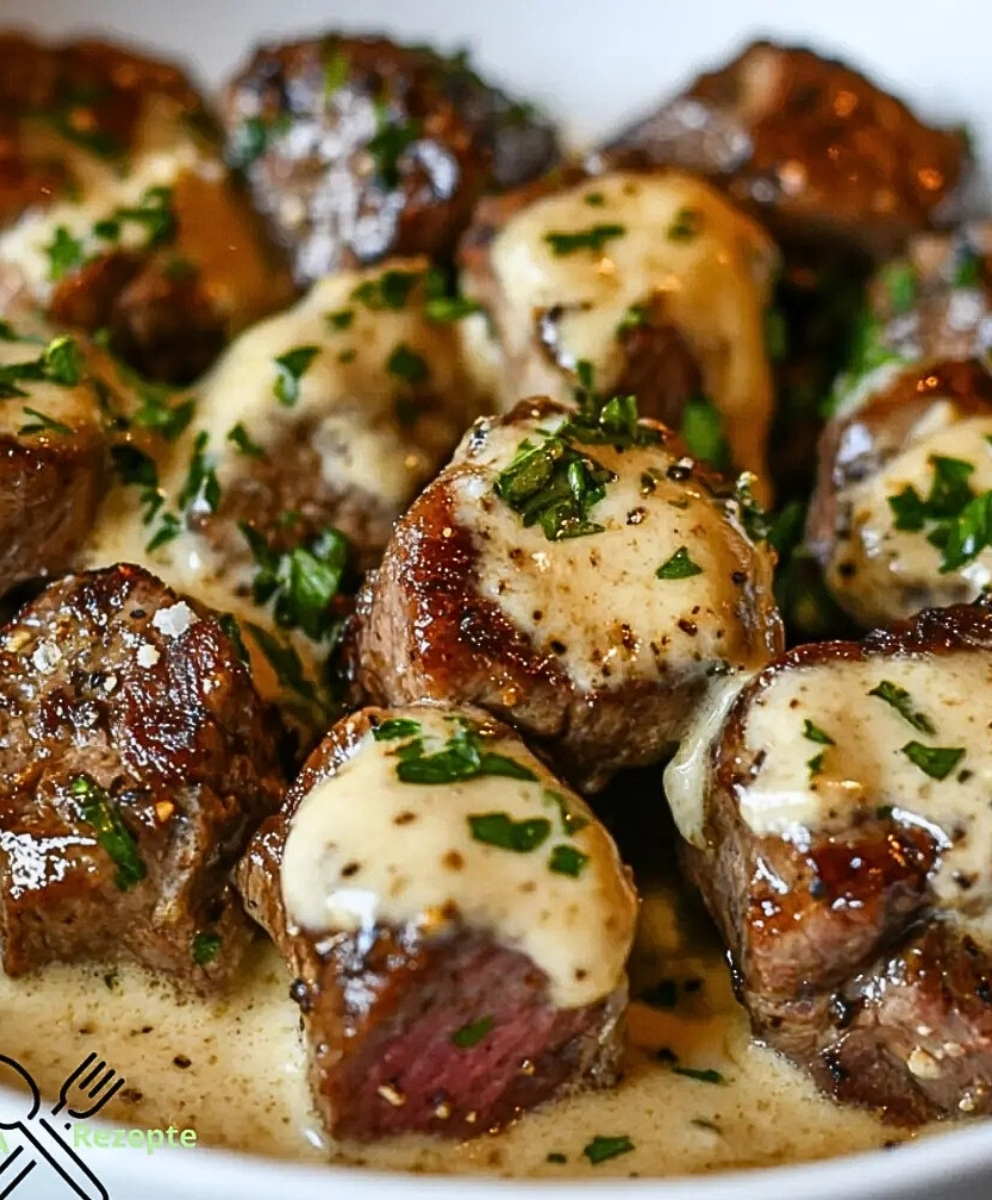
(357, 148)
(838, 824)
(575, 575)
(898, 518)
(52, 453)
(113, 196)
(457, 921)
(300, 449)
(811, 146)
(134, 765)
(653, 281)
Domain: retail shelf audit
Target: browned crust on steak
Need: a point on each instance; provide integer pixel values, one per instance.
(837, 948)
(809, 145)
(170, 727)
(361, 994)
(457, 138)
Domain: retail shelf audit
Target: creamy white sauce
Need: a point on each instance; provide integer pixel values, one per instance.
(595, 603)
(715, 286)
(867, 767)
(895, 572)
(365, 847)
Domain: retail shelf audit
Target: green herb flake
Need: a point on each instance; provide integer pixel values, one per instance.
(61, 362)
(594, 199)
(556, 1157)
(707, 1076)
(206, 947)
(701, 428)
(962, 520)
(388, 145)
(112, 835)
(899, 282)
(936, 761)
(390, 290)
(290, 369)
(902, 702)
(407, 365)
(201, 489)
(302, 581)
(566, 860)
(815, 765)
(65, 253)
(570, 823)
(444, 309)
(679, 566)
(169, 528)
(336, 70)
(240, 438)
(289, 668)
(159, 413)
(500, 830)
(342, 319)
(814, 733)
(635, 317)
(602, 1148)
(594, 239)
(232, 631)
(464, 756)
(472, 1034)
(395, 728)
(43, 423)
(249, 142)
(687, 224)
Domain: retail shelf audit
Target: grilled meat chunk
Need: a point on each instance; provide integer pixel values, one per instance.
(809, 145)
(837, 818)
(653, 282)
(357, 148)
(134, 766)
(458, 923)
(112, 196)
(578, 577)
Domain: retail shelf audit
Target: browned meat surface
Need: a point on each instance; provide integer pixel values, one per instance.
(104, 229)
(854, 911)
(357, 148)
(811, 145)
(435, 1025)
(497, 590)
(134, 765)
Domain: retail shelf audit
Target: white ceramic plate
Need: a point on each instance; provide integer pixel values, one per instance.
(593, 63)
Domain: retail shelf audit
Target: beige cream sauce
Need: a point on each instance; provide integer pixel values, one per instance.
(244, 1085)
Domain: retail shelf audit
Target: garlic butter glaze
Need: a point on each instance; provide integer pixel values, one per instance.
(366, 847)
(595, 603)
(680, 247)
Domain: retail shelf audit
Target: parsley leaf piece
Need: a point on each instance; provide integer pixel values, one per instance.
(472, 1034)
(407, 365)
(388, 145)
(156, 412)
(249, 142)
(566, 860)
(112, 835)
(43, 423)
(288, 667)
(707, 1076)
(389, 290)
(303, 580)
(201, 490)
(594, 199)
(687, 224)
(205, 947)
(701, 428)
(342, 319)
(500, 830)
(169, 528)
(679, 566)
(443, 309)
(395, 728)
(936, 761)
(61, 362)
(239, 437)
(814, 733)
(602, 1148)
(962, 521)
(290, 369)
(635, 317)
(65, 253)
(336, 69)
(464, 756)
(815, 765)
(966, 536)
(556, 1157)
(570, 823)
(594, 239)
(902, 702)
(899, 281)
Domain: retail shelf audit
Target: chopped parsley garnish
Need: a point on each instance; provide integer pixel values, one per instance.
(566, 860)
(899, 282)
(158, 413)
(968, 271)
(169, 528)
(286, 663)
(635, 317)
(687, 224)
(815, 765)
(206, 947)
(962, 520)
(499, 829)
(395, 728)
(464, 756)
(902, 702)
(65, 253)
(594, 199)
(936, 761)
(701, 429)
(232, 631)
(112, 835)
(707, 1076)
(43, 423)
(58, 363)
(336, 68)
(201, 489)
(602, 1148)
(443, 309)
(239, 436)
(814, 733)
(303, 580)
(389, 290)
(341, 319)
(388, 145)
(679, 566)
(570, 823)
(594, 239)
(407, 365)
(472, 1034)
(249, 142)
(290, 369)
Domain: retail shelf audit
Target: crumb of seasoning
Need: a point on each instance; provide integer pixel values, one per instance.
(182, 1062)
(557, 1157)
(707, 1076)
